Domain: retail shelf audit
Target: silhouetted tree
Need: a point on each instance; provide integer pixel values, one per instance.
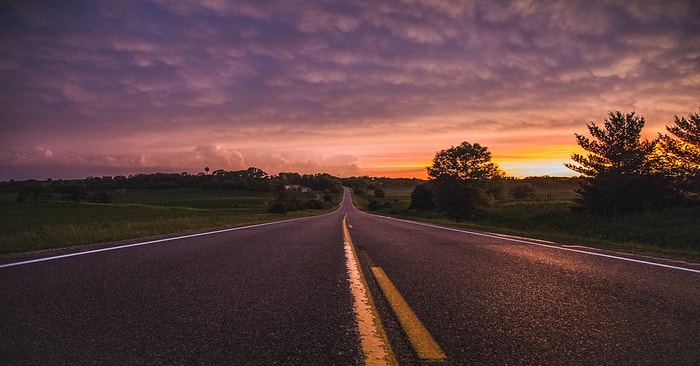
(464, 162)
(618, 168)
(616, 147)
(684, 146)
(463, 180)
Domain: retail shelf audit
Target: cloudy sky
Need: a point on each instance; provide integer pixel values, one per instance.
(371, 87)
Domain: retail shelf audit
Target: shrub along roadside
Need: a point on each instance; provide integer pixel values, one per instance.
(671, 232)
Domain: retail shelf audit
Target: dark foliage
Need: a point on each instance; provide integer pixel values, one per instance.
(461, 199)
(523, 191)
(465, 162)
(75, 192)
(422, 198)
(612, 193)
(464, 181)
(619, 168)
(33, 190)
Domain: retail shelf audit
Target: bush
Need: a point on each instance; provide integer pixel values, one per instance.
(33, 190)
(102, 197)
(422, 198)
(278, 207)
(461, 199)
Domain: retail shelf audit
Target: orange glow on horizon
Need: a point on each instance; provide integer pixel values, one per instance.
(522, 159)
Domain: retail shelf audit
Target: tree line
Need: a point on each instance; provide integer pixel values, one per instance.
(102, 189)
(620, 173)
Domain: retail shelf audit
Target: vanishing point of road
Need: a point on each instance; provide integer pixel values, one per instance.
(346, 288)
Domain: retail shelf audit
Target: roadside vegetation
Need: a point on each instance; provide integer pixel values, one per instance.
(547, 214)
(52, 214)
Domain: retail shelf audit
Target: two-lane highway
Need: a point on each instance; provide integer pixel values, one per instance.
(280, 293)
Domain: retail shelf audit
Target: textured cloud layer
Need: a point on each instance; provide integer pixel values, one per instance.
(347, 87)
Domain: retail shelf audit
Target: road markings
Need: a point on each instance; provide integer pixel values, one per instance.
(373, 339)
(143, 243)
(543, 243)
(423, 343)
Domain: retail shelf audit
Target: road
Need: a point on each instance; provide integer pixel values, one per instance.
(280, 293)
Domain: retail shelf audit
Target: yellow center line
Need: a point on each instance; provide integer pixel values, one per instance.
(423, 343)
(373, 338)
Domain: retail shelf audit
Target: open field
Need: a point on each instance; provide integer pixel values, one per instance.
(548, 216)
(150, 212)
(133, 214)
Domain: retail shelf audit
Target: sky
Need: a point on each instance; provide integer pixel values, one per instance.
(350, 88)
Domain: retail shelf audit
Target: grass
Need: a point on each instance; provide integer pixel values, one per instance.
(143, 213)
(135, 214)
(548, 216)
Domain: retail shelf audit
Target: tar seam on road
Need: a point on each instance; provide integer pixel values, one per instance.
(143, 243)
(423, 342)
(552, 246)
(373, 338)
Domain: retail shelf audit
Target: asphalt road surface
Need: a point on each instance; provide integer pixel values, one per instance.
(279, 294)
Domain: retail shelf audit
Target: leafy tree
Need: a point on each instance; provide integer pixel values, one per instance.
(618, 167)
(379, 193)
(463, 180)
(464, 162)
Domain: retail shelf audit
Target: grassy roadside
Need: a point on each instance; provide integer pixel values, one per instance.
(135, 214)
(672, 233)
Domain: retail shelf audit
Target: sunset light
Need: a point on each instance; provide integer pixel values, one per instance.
(348, 88)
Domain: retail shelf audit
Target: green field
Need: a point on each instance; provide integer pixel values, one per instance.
(143, 213)
(133, 214)
(548, 216)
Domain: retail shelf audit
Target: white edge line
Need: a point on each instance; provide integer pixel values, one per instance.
(145, 243)
(552, 246)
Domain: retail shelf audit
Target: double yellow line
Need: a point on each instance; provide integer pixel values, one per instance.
(422, 341)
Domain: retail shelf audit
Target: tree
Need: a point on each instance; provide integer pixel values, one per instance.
(463, 180)
(679, 156)
(618, 168)
(617, 147)
(465, 162)
(683, 148)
